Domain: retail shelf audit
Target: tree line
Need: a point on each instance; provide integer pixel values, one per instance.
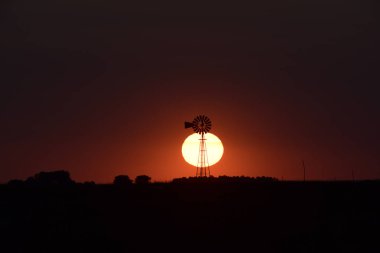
(62, 178)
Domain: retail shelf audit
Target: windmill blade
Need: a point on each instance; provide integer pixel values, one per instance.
(201, 124)
(197, 119)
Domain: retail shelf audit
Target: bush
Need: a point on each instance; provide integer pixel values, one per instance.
(122, 180)
(142, 179)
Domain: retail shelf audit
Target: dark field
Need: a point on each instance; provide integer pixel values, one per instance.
(192, 217)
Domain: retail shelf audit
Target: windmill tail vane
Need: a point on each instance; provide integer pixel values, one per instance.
(188, 124)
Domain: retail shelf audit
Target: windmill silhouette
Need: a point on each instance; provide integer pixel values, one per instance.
(201, 125)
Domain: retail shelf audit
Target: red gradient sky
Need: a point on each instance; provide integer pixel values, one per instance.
(102, 89)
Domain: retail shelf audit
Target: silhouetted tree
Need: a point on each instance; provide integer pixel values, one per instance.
(59, 177)
(15, 182)
(142, 179)
(89, 183)
(122, 180)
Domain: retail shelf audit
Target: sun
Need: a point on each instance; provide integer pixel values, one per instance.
(190, 149)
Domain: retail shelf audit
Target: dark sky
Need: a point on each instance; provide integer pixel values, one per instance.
(102, 88)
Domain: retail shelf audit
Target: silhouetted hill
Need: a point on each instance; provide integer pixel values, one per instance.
(188, 216)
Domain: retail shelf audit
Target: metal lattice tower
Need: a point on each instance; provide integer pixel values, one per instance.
(203, 169)
(201, 125)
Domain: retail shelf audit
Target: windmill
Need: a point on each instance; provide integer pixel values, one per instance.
(201, 125)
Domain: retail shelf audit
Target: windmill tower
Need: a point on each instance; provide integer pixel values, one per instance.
(201, 125)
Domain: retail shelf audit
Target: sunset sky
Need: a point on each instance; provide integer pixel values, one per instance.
(102, 88)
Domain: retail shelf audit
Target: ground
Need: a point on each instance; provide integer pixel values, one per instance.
(192, 217)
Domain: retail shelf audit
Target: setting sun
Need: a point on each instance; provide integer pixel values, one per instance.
(190, 148)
